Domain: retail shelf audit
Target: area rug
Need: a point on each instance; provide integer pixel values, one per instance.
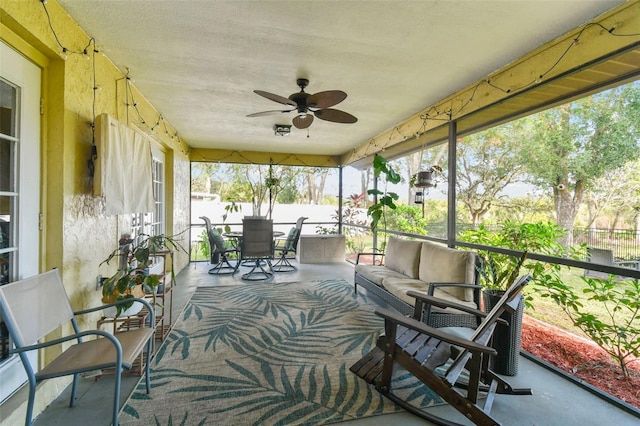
(268, 354)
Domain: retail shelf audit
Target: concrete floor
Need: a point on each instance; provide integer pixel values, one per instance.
(555, 400)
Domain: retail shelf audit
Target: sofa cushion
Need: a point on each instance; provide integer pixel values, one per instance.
(403, 256)
(440, 264)
(376, 274)
(400, 286)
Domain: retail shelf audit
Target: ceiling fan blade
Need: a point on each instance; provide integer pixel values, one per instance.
(335, 115)
(276, 98)
(275, 111)
(326, 99)
(302, 121)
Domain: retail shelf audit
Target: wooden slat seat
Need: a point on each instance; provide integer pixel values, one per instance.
(421, 350)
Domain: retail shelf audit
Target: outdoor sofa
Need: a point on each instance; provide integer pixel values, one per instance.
(424, 266)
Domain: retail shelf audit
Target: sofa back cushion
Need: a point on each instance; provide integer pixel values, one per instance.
(440, 264)
(403, 256)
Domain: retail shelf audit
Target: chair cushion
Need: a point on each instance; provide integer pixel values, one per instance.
(376, 273)
(403, 256)
(217, 239)
(443, 264)
(291, 239)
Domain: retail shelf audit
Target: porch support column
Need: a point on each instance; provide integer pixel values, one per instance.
(340, 169)
(451, 196)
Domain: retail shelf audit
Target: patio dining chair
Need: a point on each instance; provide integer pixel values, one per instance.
(220, 251)
(36, 306)
(288, 247)
(257, 247)
(438, 357)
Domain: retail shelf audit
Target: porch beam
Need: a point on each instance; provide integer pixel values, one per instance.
(254, 157)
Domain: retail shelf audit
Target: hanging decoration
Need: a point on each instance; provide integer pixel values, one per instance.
(425, 179)
(271, 183)
(419, 197)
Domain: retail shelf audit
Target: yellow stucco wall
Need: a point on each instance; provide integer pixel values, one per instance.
(77, 235)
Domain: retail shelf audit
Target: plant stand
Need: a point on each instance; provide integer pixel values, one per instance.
(506, 339)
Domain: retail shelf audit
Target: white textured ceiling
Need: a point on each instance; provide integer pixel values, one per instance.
(199, 61)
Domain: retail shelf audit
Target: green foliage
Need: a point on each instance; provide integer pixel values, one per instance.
(386, 199)
(407, 219)
(617, 328)
(570, 147)
(541, 238)
(134, 259)
(204, 245)
(232, 207)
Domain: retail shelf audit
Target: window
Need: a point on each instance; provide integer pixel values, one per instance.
(153, 223)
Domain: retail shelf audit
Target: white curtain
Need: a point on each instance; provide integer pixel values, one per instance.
(123, 170)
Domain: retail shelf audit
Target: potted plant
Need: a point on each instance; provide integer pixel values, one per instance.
(386, 199)
(498, 273)
(132, 279)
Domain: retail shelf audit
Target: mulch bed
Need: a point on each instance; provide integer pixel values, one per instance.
(580, 358)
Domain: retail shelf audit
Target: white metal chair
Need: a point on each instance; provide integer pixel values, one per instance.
(34, 307)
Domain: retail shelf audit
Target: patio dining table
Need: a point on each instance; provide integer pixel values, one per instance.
(237, 235)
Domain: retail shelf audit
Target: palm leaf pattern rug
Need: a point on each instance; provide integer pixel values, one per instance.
(268, 354)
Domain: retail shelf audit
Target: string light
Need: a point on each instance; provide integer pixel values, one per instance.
(450, 113)
(90, 54)
(438, 116)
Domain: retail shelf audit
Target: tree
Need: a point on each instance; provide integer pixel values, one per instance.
(486, 163)
(201, 176)
(315, 179)
(615, 194)
(573, 145)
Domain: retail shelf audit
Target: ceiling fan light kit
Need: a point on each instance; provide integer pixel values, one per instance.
(309, 106)
(282, 129)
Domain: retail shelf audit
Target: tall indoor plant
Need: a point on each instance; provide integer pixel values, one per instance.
(385, 199)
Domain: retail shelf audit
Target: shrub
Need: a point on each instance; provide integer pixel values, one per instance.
(617, 330)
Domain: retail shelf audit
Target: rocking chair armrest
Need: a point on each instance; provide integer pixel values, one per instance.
(420, 327)
(460, 285)
(443, 303)
(367, 254)
(120, 302)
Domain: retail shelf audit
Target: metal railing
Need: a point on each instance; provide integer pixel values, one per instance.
(625, 243)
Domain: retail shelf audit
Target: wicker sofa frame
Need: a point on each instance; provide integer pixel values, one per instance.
(433, 319)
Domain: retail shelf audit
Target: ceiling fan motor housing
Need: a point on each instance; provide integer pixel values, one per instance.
(300, 99)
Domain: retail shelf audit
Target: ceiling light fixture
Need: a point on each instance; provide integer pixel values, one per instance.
(282, 129)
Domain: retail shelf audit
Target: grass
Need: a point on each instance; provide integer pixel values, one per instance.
(545, 309)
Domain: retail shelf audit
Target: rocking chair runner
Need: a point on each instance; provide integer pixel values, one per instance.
(420, 349)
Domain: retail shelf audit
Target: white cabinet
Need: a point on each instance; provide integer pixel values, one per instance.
(321, 249)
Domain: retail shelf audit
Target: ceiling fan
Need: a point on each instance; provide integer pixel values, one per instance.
(308, 105)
